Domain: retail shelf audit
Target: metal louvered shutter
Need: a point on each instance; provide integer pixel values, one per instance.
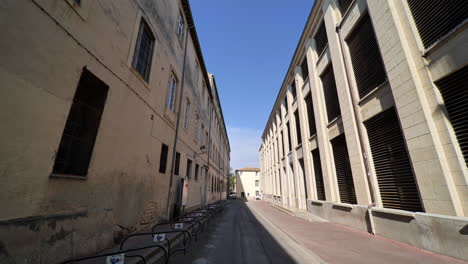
(344, 174)
(435, 19)
(454, 90)
(344, 5)
(331, 95)
(321, 39)
(395, 176)
(367, 62)
(318, 175)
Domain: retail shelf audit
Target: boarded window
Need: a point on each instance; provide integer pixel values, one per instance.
(321, 40)
(318, 175)
(435, 19)
(344, 174)
(367, 62)
(298, 128)
(79, 135)
(331, 95)
(454, 90)
(396, 180)
(163, 158)
(310, 115)
(143, 51)
(344, 5)
(177, 164)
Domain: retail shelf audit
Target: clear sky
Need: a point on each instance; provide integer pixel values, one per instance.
(248, 45)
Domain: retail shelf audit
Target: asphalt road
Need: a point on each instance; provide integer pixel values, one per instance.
(241, 236)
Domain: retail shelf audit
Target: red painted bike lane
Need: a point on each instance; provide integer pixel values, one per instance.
(336, 243)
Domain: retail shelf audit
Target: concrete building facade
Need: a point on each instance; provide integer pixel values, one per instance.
(368, 126)
(248, 183)
(106, 105)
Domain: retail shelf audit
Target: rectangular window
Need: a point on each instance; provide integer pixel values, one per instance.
(318, 175)
(177, 163)
(201, 134)
(435, 19)
(367, 62)
(454, 91)
(344, 174)
(298, 128)
(289, 137)
(304, 69)
(187, 114)
(310, 115)
(188, 172)
(171, 95)
(80, 132)
(143, 51)
(392, 165)
(321, 39)
(257, 193)
(293, 90)
(256, 183)
(180, 26)
(344, 5)
(331, 95)
(197, 168)
(163, 158)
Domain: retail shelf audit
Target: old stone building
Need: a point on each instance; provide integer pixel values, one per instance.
(369, 126)
(106, 105)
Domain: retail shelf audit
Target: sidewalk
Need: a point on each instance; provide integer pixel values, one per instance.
(339, 244)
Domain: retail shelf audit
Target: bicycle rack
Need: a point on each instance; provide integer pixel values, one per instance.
(120, 252)
(170, 253)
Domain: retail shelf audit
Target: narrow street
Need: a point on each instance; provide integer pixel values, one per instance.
(257, 232)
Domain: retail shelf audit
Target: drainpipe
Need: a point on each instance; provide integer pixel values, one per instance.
(168, 208)
(357, 118)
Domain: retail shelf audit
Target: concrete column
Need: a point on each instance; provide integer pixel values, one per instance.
(332, 18)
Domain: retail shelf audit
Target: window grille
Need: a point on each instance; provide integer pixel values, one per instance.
(436, 19)
(331, 95)
(454, 90)
(319, 184)
(368, 66)
(344, 174)
(395, 176)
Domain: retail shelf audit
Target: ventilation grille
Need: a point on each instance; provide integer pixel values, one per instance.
(454, 90)
(396, 180)
(331, 96)
(343, 170)
(318, 175)
(365, 56)
(435, 19)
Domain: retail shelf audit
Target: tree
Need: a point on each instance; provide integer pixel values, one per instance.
(232, 181)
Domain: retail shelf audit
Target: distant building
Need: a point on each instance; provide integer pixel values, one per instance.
(373, 113)
(248, 183)
(91, 96)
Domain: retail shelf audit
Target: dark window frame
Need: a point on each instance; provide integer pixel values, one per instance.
(177, 164)
(143, 56)
(188, 169)
(163, 158)
(81, 129)
(310, 115)
(321, 39)
(330, 91)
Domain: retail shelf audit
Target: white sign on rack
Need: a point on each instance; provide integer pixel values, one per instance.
(159, 237)
(179, 226)
(116, 259)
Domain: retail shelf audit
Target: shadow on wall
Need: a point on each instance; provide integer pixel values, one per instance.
(240, 190)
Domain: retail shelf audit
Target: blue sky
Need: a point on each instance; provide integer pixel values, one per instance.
(248, 46)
